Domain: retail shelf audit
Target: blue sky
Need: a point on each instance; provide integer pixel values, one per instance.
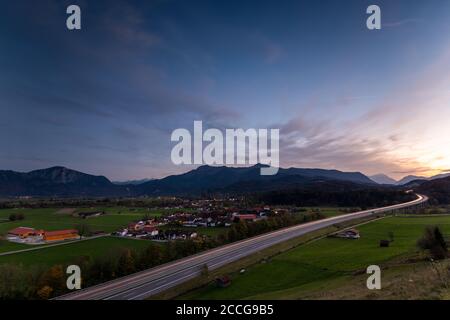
(105, 99)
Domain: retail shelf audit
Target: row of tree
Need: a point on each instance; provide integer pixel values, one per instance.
(90, 202)
(364, 198)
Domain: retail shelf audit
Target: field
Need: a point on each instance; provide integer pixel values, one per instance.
(312, 266)
(56, 219)
(69, 253)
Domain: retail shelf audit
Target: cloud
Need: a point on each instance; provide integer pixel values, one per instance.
(394, 136)
(127, 25)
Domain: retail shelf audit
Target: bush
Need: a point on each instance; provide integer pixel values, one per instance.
(434, 241)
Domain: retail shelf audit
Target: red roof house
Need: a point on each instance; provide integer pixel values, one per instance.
(25, 232)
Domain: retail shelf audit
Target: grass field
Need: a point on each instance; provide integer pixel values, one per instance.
(56, 219)
(69, 253)
(52, 219)
(313, 265)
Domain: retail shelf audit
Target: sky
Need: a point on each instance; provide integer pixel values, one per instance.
(105, 99)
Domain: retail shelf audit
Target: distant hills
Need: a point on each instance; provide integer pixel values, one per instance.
(384, 179)
(57, 182)
(411, 178)
(437, 189)
(64, 182)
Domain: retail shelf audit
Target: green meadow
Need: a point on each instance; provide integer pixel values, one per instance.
(313, 265)
(71, 252)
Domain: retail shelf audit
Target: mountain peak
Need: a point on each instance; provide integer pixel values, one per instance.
(410, 178)
(382, 179)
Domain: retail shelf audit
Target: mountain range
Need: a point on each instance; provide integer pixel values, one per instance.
(64, 182)
(57, 182)
(205, 180)
(248, 179)
(384, 179)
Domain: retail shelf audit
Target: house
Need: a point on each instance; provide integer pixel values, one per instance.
(132, 227)
(148, 228)
(24, 232)
(61, 235)
(151, 230)
(245, 217)
(223, 281)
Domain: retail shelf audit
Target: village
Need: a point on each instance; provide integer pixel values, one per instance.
(184, 224)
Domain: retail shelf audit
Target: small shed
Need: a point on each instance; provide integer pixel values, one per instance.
(223, 282)
(384, 243)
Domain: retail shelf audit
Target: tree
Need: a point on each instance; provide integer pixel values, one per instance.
(434, 242)
(102, 268)
(55, 279)
(84, 230)
(45, 292)
(18, 283)
(127, 262)
(151, 256)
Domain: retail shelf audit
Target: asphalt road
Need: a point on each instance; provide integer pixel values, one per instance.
(144, 284)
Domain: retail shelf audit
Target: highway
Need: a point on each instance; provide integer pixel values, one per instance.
(146, 283)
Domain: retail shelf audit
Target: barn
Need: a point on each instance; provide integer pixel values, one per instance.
(60, 235)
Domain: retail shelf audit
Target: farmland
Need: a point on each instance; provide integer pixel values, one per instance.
(71, 252)
(312, 266)
(56, 219)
